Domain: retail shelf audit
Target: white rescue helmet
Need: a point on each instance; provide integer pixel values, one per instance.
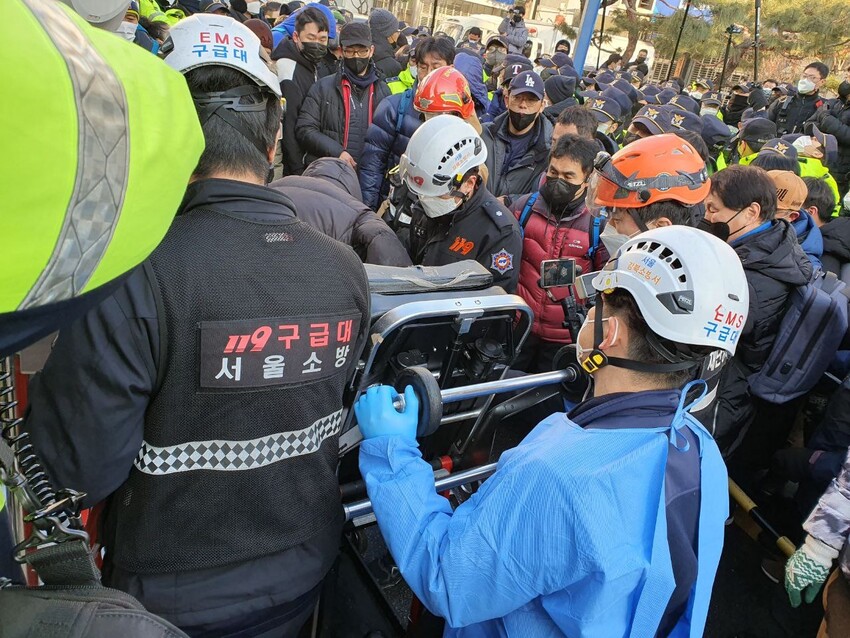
(210, 39)
(103, 14)
(440, 152)
(689, 285)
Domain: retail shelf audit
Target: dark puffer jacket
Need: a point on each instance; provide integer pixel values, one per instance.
(327, 196)
(774, 265)
(522, 177)
(835, 120)
(792, 112)
(384, 57)
(836, 244)
(384, 145)
(297, 75)
(335, 116)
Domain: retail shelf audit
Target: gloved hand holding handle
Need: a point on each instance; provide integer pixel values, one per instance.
(377, 416)
(807, 569)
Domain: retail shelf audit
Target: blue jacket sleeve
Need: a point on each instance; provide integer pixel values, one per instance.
(379, 142)
(87, 407)
(482, 561)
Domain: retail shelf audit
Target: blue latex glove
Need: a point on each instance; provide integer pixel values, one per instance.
(377, 416)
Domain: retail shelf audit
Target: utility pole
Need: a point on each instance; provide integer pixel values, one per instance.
(679, 39)
(602, 34)
(757, 42)
(434, 17)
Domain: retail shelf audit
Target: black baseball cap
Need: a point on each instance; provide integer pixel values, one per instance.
(527, 82)
(758, 129)
(355, 34)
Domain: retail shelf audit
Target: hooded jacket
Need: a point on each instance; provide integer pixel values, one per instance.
(835, 120)
(836, 244)
(522, 176)
(550, 236)
(515, 34)
(336, 114)
(774, 264)
(472, 68)
(384, 57)
(297, 75)
(810, 238)
(560, 89)
(327, 197)
(286, 28)
(386, 140)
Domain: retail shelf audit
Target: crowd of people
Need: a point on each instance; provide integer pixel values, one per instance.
(332, 142)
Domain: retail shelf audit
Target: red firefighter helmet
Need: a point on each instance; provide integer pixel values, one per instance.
(444, 90)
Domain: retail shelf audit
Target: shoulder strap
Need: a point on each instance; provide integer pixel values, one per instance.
(403, 105)
(594, 239)
(526, 212)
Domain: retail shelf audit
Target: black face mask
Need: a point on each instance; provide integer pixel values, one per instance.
(720, 230)
(844, 89)
(641, 59)
(739, 100)
(546, 74)
(628, 138)
(356, 65)
(558, 193)
(314, 51)
(521, 121)
(515, 19)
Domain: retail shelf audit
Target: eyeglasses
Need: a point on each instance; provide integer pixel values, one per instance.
(814, 77)
(355, 53)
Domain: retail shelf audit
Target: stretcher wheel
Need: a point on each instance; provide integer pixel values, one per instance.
(428, 392)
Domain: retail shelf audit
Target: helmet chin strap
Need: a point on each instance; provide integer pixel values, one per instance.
(597, 359)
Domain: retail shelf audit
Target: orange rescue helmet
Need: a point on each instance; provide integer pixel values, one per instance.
(444, 90)
(652, 169)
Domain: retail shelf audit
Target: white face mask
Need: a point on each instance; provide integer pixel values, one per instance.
(437, 206)
(414, 70)
(708, 111)
(697, 95)
(805, 86)
(254, 7)
(847, 201)
(127, 30)
(581, 352)
(603, 128)
(612, 240)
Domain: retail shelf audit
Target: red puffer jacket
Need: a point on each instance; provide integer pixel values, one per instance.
(550, 237)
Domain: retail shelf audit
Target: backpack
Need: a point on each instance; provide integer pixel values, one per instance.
(811, 331)
(403, 105)
(594, 230)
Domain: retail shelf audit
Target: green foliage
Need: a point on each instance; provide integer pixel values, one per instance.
(567, 30)
(790, 28)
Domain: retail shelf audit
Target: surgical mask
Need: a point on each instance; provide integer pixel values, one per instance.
(254, 7)
(805, 86)
(768, 93)
(697, 95)
(581, 353)
(558, 193)
(495, 58)
(521, 121)
(844, 89)
(612, 240)
(708, 111)
(127, 30)
(437, 206)
(314, 51)
(414, 70)
(847, 201)
(603, 128)
(357, 65)
(720, 230)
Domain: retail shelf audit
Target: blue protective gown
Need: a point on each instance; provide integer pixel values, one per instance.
(568, 537)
